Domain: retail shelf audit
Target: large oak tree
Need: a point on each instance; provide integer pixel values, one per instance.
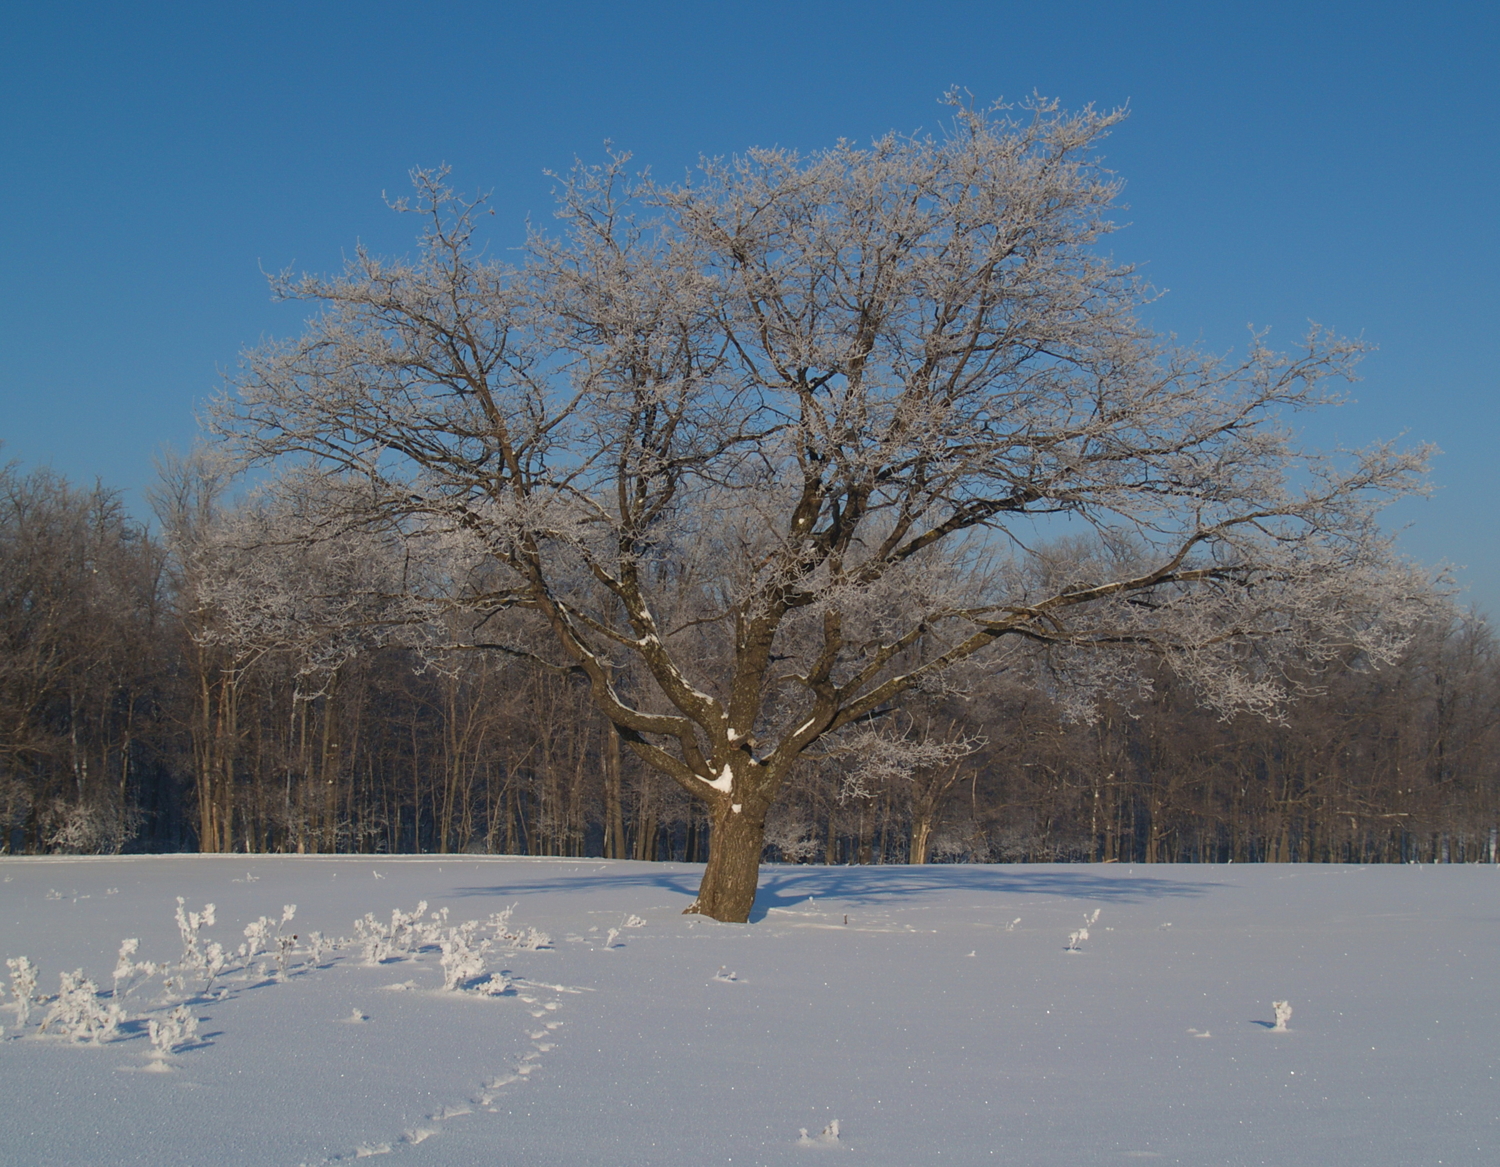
(757, 453)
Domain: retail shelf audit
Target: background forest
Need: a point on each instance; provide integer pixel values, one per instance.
(207, 688)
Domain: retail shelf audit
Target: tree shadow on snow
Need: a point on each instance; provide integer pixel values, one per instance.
(789, 886)
(683, 880)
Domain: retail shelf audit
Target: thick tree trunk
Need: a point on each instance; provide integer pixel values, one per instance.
(738, 836)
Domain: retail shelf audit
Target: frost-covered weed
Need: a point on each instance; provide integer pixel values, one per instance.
(284, 948)
(462, 961)
(614, 933)
(215, 961)
(268, 935)
(1078, 937)
(188, 926)
(529, 939)
(177, 1028)
(126, 969)
(78, 1013)
(827, 1137)
(495, 985)
(1283, 1012)
(22, 987)
(430, 932)
(394, 943)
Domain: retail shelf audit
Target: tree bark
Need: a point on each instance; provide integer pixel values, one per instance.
(730, 878)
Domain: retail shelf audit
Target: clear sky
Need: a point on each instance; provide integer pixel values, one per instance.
(1337, 162)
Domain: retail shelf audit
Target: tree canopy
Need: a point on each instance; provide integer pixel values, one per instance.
(759, 453)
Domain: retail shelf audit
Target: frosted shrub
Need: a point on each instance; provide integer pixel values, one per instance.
(177, 1028)
(215, 961)
(1078, 937)
(372, 938)
(432, 931)
(462, 962)
(124, 966)
(494, 985)
(614, 933)
(404, 934)
(828, 1137)
(77, 1012)
(22, 987)
(381, 943)
(188, 926)
(529, 939)
(127, 969)
(257, 939)
(268, 935)
(284, 947)
(1283, 1012)
(315, 943)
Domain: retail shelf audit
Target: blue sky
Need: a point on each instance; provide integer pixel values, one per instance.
(1283, 162)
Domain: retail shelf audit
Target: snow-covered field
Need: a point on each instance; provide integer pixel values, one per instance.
(947, 1021)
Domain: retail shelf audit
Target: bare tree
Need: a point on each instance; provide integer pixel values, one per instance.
(780, 439)
(80, 663)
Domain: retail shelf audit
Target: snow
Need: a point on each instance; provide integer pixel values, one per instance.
(725, 781)
(935, 1026)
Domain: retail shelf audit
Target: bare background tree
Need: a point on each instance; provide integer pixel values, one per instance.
(494, 754)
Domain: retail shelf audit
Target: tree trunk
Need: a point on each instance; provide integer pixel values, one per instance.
(727, 892)
(614, 815)
(921, 833)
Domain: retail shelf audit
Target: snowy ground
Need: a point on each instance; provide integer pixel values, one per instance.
(946, 1021)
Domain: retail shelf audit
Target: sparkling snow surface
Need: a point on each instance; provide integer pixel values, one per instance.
(932, 1026)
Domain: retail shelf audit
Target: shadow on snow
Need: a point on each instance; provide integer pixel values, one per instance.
(786, 886)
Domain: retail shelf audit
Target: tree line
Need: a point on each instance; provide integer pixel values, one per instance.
(209, 685)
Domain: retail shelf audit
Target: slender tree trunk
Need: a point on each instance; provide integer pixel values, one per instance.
(614, 814)
(921, 833)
